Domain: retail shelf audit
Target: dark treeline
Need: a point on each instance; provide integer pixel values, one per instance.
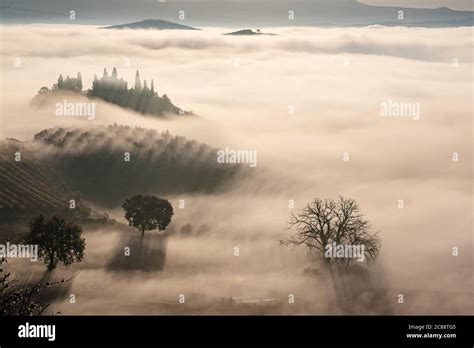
(140, 97)
(91, 161)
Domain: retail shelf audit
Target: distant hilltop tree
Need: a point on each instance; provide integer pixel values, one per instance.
(79, 81)
(141, 97)
(138, 84)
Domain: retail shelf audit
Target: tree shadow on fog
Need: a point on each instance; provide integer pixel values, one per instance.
(358, 290)
(53, 286)
(136, 252)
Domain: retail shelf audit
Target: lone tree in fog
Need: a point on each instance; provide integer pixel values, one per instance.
(58, 240)
(146, 212)
(325, 222)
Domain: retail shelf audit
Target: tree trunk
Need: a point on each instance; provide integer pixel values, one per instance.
(51, 265)
(52, 262)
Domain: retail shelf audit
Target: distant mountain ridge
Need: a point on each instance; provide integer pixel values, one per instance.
(218, 13)
(466, 22)
(160, 24)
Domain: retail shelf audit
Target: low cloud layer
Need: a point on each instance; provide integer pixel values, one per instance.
(72, 41)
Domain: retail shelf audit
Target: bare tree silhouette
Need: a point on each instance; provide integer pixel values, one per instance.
(323, 222)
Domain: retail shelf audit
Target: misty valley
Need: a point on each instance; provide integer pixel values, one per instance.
(152, 168)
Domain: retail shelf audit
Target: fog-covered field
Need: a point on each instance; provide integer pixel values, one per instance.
(304, 99)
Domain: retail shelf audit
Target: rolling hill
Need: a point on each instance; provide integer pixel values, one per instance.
(89, 166)
(94, 162)
(31, 186)
(159, 24)
(247, 32)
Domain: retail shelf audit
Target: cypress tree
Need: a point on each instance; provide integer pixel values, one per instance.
(95, 85)
(79, 81)
(138, 84)
(60, 81)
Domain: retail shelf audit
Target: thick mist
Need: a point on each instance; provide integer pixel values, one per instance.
(305, 100)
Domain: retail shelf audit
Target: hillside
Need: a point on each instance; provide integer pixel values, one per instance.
(152, 24)
(112, 89)
(30, 185)
(93, 161)
(88, 165)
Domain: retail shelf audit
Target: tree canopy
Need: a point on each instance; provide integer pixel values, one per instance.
(146, 212)
(141, 97)
(58, 240)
